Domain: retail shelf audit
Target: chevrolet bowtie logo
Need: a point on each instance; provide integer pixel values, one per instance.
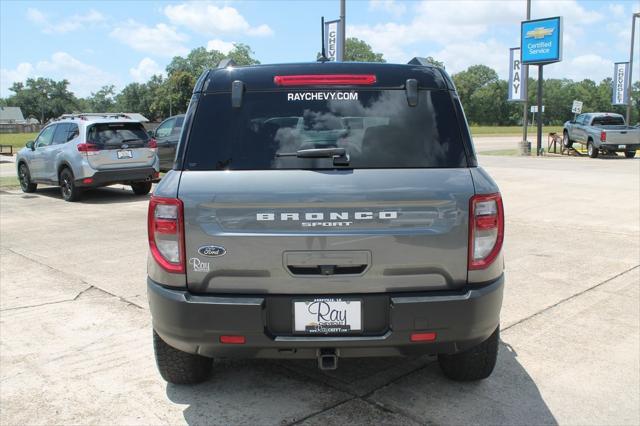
(539, 32)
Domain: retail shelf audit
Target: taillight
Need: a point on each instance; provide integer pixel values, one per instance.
(486, 229)
(166, 233)
(603, 136)
(152, 143)
(88, 148)
(325, 80)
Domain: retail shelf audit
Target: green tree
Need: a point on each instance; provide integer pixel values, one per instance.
(103, 100)
(42, 98)
(359, 51)
(173, 95)
(201, 59)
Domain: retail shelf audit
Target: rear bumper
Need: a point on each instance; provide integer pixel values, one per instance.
(125, 176)
(194, 323)
(614, 148)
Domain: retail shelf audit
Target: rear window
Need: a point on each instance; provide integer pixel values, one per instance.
(376, 128)
(116, 133)
(608, 120)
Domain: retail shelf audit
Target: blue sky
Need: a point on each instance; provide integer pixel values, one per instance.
(116, 42)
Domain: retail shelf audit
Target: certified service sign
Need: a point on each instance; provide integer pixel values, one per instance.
(541, 41)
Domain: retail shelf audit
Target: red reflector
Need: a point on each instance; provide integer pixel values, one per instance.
(603, 136)
(87, 180)
(232, 340)
(164, 226)
(152, 143)
(486, 222)
(325, 80)
(423, 337)
(156, 175)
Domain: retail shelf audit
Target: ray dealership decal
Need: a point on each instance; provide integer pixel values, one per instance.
(322, 96)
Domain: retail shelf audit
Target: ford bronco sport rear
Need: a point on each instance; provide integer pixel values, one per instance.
(323, 211)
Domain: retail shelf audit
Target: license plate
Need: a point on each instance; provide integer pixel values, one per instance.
(327, 316)
(125, 153)
(622, 146)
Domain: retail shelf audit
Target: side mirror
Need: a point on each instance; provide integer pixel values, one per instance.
(151, 133)
(31, 145)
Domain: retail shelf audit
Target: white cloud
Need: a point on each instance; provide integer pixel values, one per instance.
(392, 7)
(590, 65)
(219, 45)
(68, 24)
(83, 78)
(207, 18)
(161, 40)
(145, 70)
(464, 33)
(23, 71)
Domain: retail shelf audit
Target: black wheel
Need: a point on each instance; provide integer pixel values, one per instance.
(628, 154)
(25, 179)
(68, 188)
(141, 188)
(180, 368)
(566, 142)
(592, 150)
(476, 363)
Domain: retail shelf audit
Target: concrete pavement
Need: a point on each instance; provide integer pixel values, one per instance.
(75, 337)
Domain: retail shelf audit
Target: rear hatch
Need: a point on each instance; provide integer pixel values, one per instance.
(119, 145)
(312, 206)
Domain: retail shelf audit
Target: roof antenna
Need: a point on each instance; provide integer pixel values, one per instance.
(323, 55)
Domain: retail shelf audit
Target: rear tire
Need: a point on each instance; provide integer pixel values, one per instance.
(568, 143)
(592, 150)
(473, 364)
(141, 188)
(70, 192)
(630, 154)
(180, 368)
(25, 179)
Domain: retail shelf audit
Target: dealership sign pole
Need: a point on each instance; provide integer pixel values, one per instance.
(620, 95)
(541, 44)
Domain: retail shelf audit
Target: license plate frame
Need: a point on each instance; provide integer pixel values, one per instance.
(353, 314)
(124, 154)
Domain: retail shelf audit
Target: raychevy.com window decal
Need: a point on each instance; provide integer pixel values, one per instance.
(323, 96)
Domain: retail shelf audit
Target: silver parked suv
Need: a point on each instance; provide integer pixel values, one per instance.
(79, 151)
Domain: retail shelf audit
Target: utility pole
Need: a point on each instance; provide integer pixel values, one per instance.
(524, 146)
(630, 84)
(539, 136)
(343, 37)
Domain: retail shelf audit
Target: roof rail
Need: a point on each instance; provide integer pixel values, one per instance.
(84, 115)
(226, 63)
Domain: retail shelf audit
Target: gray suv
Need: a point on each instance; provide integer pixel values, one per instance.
(83, 151)
(325, 211)
(166, 136)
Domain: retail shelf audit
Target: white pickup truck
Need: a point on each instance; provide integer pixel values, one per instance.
(602, 131)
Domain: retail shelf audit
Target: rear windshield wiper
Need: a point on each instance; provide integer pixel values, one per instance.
(315, 153)
(339, 155)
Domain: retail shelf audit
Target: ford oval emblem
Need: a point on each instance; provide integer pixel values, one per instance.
(212, 251)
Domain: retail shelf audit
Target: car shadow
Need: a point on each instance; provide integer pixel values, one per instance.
(270, 392)
(104, 195)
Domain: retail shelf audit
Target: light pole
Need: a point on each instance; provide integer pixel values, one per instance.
(524, 146)
(630, 86)
(343, 27)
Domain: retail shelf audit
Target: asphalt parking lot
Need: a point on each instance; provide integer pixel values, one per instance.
(75, 336)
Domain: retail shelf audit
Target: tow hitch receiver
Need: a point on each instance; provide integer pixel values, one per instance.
(327, 359)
